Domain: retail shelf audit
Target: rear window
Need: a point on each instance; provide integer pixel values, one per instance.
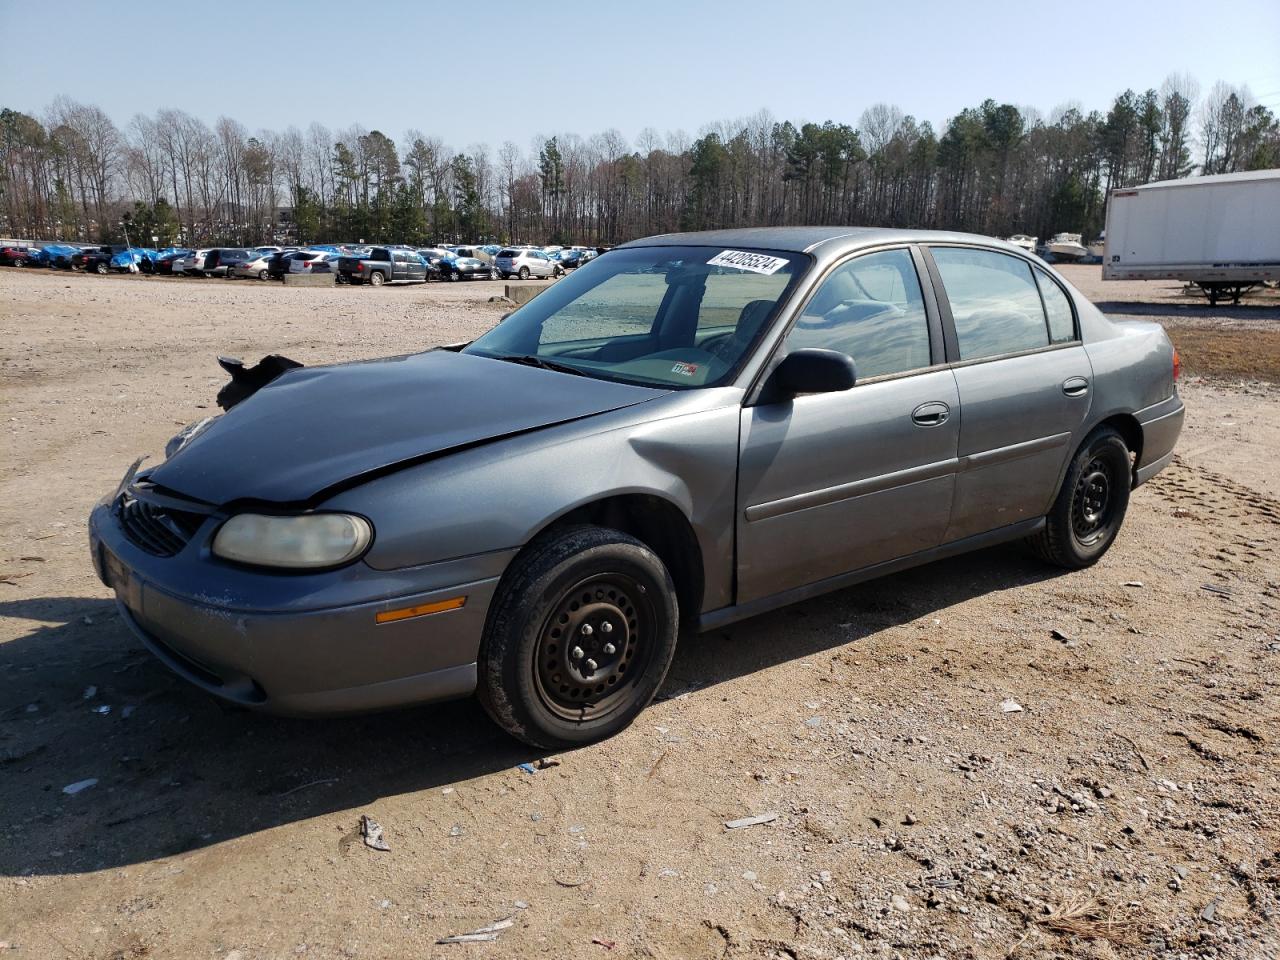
(508, 254)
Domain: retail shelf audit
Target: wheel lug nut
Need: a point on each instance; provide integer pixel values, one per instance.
(586, 630)
(610, 648)
(590, 665)
(606, 627)
(576, 653)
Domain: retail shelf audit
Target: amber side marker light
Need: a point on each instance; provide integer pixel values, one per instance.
(1177, 364)
(422, 610)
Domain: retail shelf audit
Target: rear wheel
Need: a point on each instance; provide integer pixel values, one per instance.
(1090, 506)
(579, 638)
(524, 273)
(262, 274)
(100, 268)
(377, 279)
(19, 262)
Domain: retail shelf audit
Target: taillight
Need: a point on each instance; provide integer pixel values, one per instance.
(1177, 364)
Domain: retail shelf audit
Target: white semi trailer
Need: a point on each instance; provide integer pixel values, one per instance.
(1221, 233)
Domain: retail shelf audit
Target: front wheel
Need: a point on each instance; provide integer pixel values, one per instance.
(579, 639)
(1090, 506)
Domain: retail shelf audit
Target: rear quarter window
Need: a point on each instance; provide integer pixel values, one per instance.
(1057, 308)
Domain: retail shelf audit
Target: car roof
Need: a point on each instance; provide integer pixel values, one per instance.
(808, 239)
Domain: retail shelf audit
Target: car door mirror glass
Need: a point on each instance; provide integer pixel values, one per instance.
(812, 370)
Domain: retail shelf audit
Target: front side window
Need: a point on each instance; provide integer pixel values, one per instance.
(994, 302)
(679, 317)
(872, 309)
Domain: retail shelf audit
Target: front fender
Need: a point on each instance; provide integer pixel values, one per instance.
(501, 495)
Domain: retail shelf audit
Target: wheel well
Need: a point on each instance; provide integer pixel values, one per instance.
(1130, 430)
(662, 527)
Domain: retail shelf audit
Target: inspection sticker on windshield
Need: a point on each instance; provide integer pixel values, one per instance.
(685, 369)
(742, 260)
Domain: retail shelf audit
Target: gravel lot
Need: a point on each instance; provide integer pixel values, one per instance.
(1127, 810)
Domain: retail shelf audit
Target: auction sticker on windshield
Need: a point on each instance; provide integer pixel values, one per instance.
(742, 260)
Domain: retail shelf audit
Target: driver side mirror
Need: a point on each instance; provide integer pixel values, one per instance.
(812, 370)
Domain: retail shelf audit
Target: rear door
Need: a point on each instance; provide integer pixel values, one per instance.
(835, 482)
(1024, 379)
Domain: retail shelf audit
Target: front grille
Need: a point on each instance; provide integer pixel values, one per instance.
(157, 530)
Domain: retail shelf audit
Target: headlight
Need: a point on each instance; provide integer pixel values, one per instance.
(306, 541)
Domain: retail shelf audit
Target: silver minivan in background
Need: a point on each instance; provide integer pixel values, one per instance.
(525, 264)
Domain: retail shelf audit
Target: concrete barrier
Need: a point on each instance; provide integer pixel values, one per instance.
(522, 291)
(309, 279)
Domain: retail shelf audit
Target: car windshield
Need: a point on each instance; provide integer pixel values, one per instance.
(679, 317)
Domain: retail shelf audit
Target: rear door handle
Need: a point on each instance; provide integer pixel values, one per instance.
(931, 414)
(1075, 386)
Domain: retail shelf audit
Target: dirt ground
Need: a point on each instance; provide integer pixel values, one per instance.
(1127, 810)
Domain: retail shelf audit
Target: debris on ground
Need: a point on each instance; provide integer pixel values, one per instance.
(527, 767)
(71, 789)
(750, 821)
(601, 941)
(371, 830)
(1010, 706)
(483, 935)
(546, 763)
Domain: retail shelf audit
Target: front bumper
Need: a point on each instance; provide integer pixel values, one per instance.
(299, 644)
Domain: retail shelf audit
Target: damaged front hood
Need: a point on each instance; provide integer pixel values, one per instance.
(315, 428)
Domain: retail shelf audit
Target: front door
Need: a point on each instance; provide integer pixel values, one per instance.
(831, 483)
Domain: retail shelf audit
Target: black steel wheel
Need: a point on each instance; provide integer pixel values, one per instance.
(580, 635)
(1091, 504)
(594, 647)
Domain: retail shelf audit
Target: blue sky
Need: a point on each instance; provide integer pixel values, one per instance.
(489, 71)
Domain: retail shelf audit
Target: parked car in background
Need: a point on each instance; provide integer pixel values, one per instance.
(312, 261)
(15, 256)
(95, 259)
(192, 265)
(167, 258)
(570, 259)
(219, 261)
(432, 257)
(701, 428)
(514, 262)
(383, 265)
(254, 267)
(467, 268)
(278, 264)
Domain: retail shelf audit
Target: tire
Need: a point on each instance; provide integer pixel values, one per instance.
(262, 274)
(19, 262)
(453, 276)
(524, 273)
(100, 268)
(1087, 514)
(535, 685)
(377, 278)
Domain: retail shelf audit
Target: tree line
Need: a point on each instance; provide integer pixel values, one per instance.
(996, 168)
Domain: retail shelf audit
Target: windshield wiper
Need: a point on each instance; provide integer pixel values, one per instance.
(543, 363)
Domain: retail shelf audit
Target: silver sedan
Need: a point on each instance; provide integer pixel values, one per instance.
(690, 430)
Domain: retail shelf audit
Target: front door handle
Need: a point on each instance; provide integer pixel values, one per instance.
(931, 414)
(1075, 387)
